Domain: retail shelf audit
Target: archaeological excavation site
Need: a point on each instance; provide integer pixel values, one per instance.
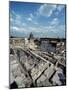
(37, 45)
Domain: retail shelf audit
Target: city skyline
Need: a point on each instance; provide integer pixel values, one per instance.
(43, 20)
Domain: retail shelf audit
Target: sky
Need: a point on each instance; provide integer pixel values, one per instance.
(43, 20)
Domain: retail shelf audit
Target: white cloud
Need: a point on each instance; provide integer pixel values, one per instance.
(16, 23)
(36, 23)
(11, 19)
(46, 9)
(18, 29)
(18, 20)
(15, 18)
(13, 28)
(55, 21)
(29, 19)
(23, 24)
(32, 19)
(41, 31)
(60, 7)
(31, 15)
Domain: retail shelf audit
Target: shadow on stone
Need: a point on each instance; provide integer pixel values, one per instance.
(13, 85)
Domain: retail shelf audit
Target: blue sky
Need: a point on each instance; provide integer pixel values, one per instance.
(43, 20)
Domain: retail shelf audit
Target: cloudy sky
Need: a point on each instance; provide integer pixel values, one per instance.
(43, 20)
